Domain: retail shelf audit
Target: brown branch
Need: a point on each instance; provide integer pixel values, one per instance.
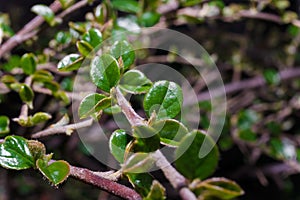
(175, 178)
(74, 7)
(63, 129)
(110, 186)
(249, 84)
(26, 32)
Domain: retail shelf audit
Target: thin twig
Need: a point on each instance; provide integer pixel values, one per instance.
(74, 7)
(26, 32)
(175, 178)
(63, 129)
(250, 83)
(110, 186)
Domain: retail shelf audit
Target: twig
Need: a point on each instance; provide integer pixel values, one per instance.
(74, 7)
(110, 186)
(250, 84)
(26, 32)
(175, 178)
(63, 129)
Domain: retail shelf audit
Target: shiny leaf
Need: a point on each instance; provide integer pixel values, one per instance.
(93, 104)
(165, 98)
(56, 172)
(135, 82)
(26, 94)
(141, 182)
(70, 62)
(170, 131)
(45, 12)
(192, 158)
(93, 37)
(15, 154)
(84, 48)
(124, 50)
(130, 6)
(138, 163)
(117, 144)
(105, 72)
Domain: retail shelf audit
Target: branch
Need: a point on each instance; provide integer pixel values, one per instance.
(74, 7)
(26, 32)
(63, 129)
(250, 84)
(110, 186)
(176, 179)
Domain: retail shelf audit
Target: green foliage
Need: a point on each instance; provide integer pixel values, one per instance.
(70, 62)
(122, 49)
(131, 6)
(165, 99)
(135, 82)
(26, 94)
(4, 125)
(138, 163)
(105, 72)
(45, 12)
(190, 161)
(118, 141)
(56, 172)
(15, 154)
(28, 63)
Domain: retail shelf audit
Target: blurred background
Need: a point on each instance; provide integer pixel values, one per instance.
(255, 45)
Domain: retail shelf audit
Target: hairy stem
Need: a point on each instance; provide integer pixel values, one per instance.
(110, 186)
(176, 179)
(63, 129)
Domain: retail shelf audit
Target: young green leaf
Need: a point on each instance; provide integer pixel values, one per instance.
(15, 154)
(70, 62)
(170, 131)
(28, 63)
(93, 104)
(66, 3)
(135, 82)
(138, 163)
(130, 6)
(105, 72)
(117, 144)
(45, 12)
(93, 37)
(112, 110)
(157, 192)
(26, 94)
(217, 187)
(124, 50)
(100, 13)
(84, 48)
(37, 149)
(149, 19)
(188, 159)
(165, 98)
(40, 117)
(4, 125)
(141, 182)
(56, 172)
(42, 76)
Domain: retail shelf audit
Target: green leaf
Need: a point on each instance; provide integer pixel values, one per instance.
(36, 148)
(15, 154)
(93, 104)
(26, 94)
(100, 13)
(105, 72)
(247, 118)
(56, 172)
(170, 131)
(282, 149)
(138, 163)
(157, 192)
(84, 48)
(28, 63)
(45, 12)
(217, 187)
(70, 62)
(147, 139)
(42, 76)
(130, 6)
(165, 98)
(40, 117)
(112, 110)
(135, 82)
(117, 144)
(271, 76)
(124, 50)
(93, 37)
(141, 182)
(66, 3)
(149, 19)
(189, 159)
(4, 125)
